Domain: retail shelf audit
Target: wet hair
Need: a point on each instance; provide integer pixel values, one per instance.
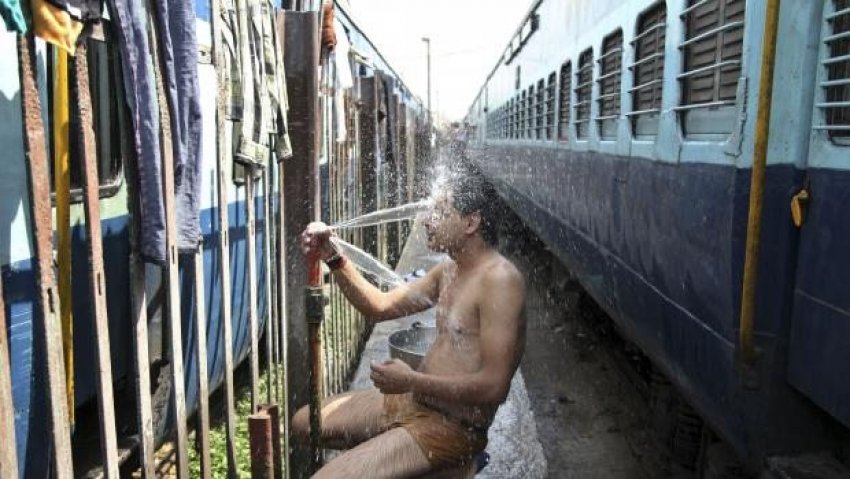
(472, 193)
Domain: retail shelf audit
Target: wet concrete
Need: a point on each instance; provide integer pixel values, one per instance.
(591, 419)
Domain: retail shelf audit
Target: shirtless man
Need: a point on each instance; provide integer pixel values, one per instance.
(432, 421)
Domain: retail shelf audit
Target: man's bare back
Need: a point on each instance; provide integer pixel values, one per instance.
(457, 349)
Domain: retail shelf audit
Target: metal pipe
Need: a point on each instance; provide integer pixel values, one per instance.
(62, 188)
(260, 437)
(753, 245)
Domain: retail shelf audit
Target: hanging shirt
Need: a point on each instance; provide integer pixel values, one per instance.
(81, 10)
(13, 16)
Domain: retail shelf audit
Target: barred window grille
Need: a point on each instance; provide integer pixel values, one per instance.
(583, 90)
(564, 101)
(529, 114)
(522, 118)
(713, 46)
(550, 107)
(648, 71)
(836, 104)
(611, 71)
(517, 106)
(540, 110)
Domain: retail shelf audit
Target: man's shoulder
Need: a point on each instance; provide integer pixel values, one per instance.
(502, 272)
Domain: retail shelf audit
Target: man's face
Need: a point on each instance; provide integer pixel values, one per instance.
(444, 224)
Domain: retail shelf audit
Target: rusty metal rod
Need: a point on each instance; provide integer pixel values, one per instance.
(260, 436)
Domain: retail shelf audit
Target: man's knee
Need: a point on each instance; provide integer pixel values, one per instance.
(301, 424)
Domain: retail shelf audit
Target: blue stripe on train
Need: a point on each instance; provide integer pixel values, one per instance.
(28, 386)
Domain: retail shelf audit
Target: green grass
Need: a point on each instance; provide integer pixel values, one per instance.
(218, 438)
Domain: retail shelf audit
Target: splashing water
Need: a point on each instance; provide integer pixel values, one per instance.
(366, 263)
(386, 215)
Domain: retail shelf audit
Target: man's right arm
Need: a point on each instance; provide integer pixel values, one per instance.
(377, 305)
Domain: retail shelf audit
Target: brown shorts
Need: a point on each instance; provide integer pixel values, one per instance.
(444, 441)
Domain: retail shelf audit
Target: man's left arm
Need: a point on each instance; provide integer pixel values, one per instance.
(502, 339)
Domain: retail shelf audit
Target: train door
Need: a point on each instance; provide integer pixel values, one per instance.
(820, 330)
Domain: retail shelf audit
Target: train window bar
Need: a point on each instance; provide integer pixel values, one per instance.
(583, 92)
(713, 104)
(693, 7)
(646, 59)
(711, 33)
(648, 84)
(529, 113)
(643, 112)
(836, 85)
(708, 68)
(836, 14)
(649, 31)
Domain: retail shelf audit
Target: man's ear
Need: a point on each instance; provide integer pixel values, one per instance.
(473, 223)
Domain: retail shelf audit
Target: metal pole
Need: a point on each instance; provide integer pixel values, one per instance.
(427, 41)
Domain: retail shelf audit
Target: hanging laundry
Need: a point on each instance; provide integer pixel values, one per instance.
(81, 10)
(276, 83)
(130, 20)
(177, 40)
(55, 25)
(342, 78)
(13, 16)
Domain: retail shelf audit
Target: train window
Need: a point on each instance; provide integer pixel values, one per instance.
(522, 118)
(517, 105)
(532, 118)
(540, 110)
(550, 107)
(836, 104)
(611, 66)
(713, 45)
(648, 71)
(564, 103)
(583, 90)
(105, 89)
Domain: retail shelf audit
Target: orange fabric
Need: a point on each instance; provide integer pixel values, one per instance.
(55, 25)
(444, 441)
(328, 33)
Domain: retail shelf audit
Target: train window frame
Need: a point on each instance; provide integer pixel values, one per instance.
(104, 65)
(582, 105)
(645, 115)
(517, 106)
(564, 103)
(834, 75)
(609, 85)
(551, 117)
(713, 119)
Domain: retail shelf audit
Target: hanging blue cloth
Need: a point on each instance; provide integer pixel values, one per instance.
(130, 18)
(176, 25)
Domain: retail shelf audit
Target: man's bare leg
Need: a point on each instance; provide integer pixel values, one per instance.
(347, 419)
(392, 454)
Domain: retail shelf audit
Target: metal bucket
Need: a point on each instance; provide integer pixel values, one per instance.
(410, 345)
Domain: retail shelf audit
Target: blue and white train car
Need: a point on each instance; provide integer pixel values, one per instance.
(623, 133)
(16, 242)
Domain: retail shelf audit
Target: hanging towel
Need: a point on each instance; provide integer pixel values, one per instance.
(13, 16)
(283, 146)
(176, 29)
(130, 19)
(342, 79)
(55, 25)
(80, 10)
